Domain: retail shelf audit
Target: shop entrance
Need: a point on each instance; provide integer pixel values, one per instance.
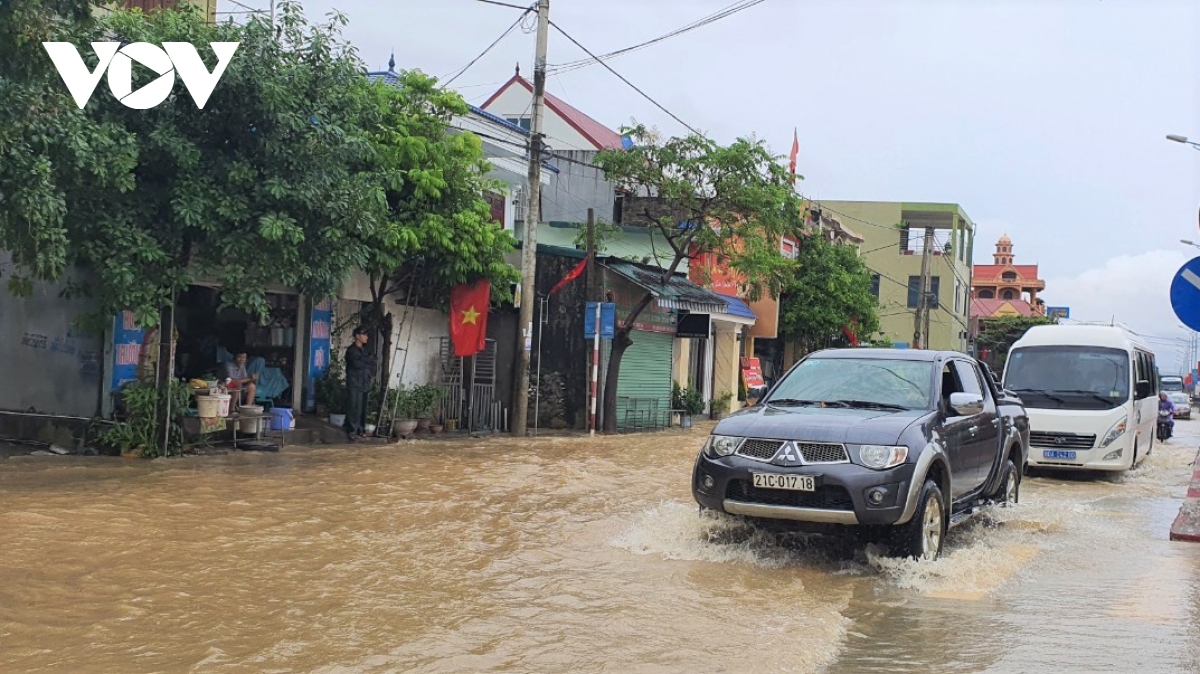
(210, 337)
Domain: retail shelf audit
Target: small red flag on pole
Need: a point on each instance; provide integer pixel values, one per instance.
(795, 154)
(571, 276)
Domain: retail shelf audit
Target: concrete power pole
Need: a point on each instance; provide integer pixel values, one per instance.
(533, 214)
(921, 322)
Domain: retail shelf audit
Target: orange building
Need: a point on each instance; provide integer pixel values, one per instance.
(1016, 285)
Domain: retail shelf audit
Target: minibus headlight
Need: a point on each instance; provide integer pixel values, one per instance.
(1115, 432)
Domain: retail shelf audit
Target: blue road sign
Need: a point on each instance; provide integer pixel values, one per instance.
(1185, 293)
(608, 320)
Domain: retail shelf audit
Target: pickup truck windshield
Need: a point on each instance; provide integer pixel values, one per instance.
(857, 382)
(1069, 377)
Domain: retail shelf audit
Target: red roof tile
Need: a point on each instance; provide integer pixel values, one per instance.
(984, 308)
(597, 134)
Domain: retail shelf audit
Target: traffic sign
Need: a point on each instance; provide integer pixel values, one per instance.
(1185, 293)
(608, 320)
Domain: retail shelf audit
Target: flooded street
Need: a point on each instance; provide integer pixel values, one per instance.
(557, 555)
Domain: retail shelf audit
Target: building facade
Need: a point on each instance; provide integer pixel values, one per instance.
(893, 236)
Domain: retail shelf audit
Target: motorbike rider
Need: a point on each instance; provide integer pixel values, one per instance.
(1166, 410)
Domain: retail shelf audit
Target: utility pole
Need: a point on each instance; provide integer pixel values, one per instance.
(532, 215)
(921, 322)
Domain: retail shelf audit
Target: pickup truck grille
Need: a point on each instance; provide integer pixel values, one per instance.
(826, 497)
(811, 452)
(763, 450)
(815, 453)
(1050, 440)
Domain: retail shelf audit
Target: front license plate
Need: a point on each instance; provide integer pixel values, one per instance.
(790, 482)
(1058, 454)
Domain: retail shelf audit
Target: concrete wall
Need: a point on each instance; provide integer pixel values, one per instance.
(48, 365)
(576, 187)
(418, 332)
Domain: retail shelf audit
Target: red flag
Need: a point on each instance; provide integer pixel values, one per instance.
(574, 274)
(794, 155)
(468, 316)
(850, 333)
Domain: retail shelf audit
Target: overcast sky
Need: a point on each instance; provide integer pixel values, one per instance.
(1044, 119)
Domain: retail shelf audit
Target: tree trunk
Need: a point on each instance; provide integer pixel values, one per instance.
(621, 341)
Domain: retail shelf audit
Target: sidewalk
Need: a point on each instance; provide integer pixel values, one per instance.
(1186, 526)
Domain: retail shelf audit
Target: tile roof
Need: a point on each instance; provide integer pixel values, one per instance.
(597, 134)
(678, 293)
(985, 308)
(739, 308)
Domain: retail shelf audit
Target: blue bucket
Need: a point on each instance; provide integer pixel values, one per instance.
(281, 418)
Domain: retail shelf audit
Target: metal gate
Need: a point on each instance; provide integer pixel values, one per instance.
(477, 397)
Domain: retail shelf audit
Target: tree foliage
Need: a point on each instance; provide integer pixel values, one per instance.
(997, 335)
(297, 172)
(830, 290)
(732, 200)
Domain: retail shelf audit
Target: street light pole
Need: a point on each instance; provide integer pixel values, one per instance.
(1183, 139)
(520, 413)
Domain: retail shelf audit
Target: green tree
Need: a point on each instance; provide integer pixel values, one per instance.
(831, 290)
(997, 335)
(259, 187)
(733, 200)
(438, 230)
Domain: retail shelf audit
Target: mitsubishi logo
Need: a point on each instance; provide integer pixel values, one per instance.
(788, 456)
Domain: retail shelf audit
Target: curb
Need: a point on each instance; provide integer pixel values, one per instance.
(1186, 526)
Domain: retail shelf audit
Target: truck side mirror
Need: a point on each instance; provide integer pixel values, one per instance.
(966, 404)
(1143, 389)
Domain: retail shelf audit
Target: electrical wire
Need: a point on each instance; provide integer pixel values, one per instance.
(699, 23)
(622, 78)
(502, 4)
(488, 49)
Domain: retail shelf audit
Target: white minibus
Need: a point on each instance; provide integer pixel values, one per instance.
(1091, 392)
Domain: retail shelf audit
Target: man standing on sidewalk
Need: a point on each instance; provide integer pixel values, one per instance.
(360, 369)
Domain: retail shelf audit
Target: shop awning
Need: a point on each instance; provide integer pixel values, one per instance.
(678, 293)
(739, 308)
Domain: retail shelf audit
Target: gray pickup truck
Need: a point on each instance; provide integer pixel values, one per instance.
(901, 444)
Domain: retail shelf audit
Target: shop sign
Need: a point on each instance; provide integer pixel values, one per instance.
(321, 330)
(127, 349)
(652, 319)
(752, 373)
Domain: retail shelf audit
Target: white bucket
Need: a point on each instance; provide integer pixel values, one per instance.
(207, 406)
(222, 403)
(253, 419)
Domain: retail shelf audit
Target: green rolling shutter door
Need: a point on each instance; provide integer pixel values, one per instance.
(646, 370)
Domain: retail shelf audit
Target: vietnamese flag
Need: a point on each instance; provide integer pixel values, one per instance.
(571, 276)
(468, 316)
(795, 154)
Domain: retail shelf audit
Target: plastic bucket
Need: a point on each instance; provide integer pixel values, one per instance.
(250, 423)
(281, 418)
(207, 407)
(222, 403)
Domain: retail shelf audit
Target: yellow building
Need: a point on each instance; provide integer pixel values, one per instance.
(893, 247)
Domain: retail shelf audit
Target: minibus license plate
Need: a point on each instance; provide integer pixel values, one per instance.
(1058, 454)
(789, 482)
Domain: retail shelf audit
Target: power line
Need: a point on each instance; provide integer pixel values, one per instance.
(622, 78)
(502, 4)
(489, 47)
(699, 23)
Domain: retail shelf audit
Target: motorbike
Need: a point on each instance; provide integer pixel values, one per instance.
(1165, 424)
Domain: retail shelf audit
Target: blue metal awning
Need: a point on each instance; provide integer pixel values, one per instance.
(739, 308)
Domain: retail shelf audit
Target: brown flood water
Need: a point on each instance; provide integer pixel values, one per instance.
(562, 555)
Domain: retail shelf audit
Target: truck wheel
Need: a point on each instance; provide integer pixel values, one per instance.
(921, 538)
(1010, 485)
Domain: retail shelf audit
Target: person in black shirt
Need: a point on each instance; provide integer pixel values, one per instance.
(360, 369)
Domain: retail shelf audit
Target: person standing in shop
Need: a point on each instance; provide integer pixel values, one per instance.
(360, 370)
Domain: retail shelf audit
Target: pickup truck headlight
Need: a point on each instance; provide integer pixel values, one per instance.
(882, 457)
(721, 445)
(1115, 432)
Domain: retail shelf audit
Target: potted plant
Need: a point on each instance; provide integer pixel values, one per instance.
(402, 402)
(688, 401)
(719, 405)
(424, 399)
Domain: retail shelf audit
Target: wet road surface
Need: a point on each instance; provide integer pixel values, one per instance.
(563, 555)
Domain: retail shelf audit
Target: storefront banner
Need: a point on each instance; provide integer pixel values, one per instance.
(127, 349)
(752, 373)
(321, 330)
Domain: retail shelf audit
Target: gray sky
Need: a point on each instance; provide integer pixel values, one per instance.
(1044, 119)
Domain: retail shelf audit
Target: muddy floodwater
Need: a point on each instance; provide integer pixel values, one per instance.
(563, 555)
